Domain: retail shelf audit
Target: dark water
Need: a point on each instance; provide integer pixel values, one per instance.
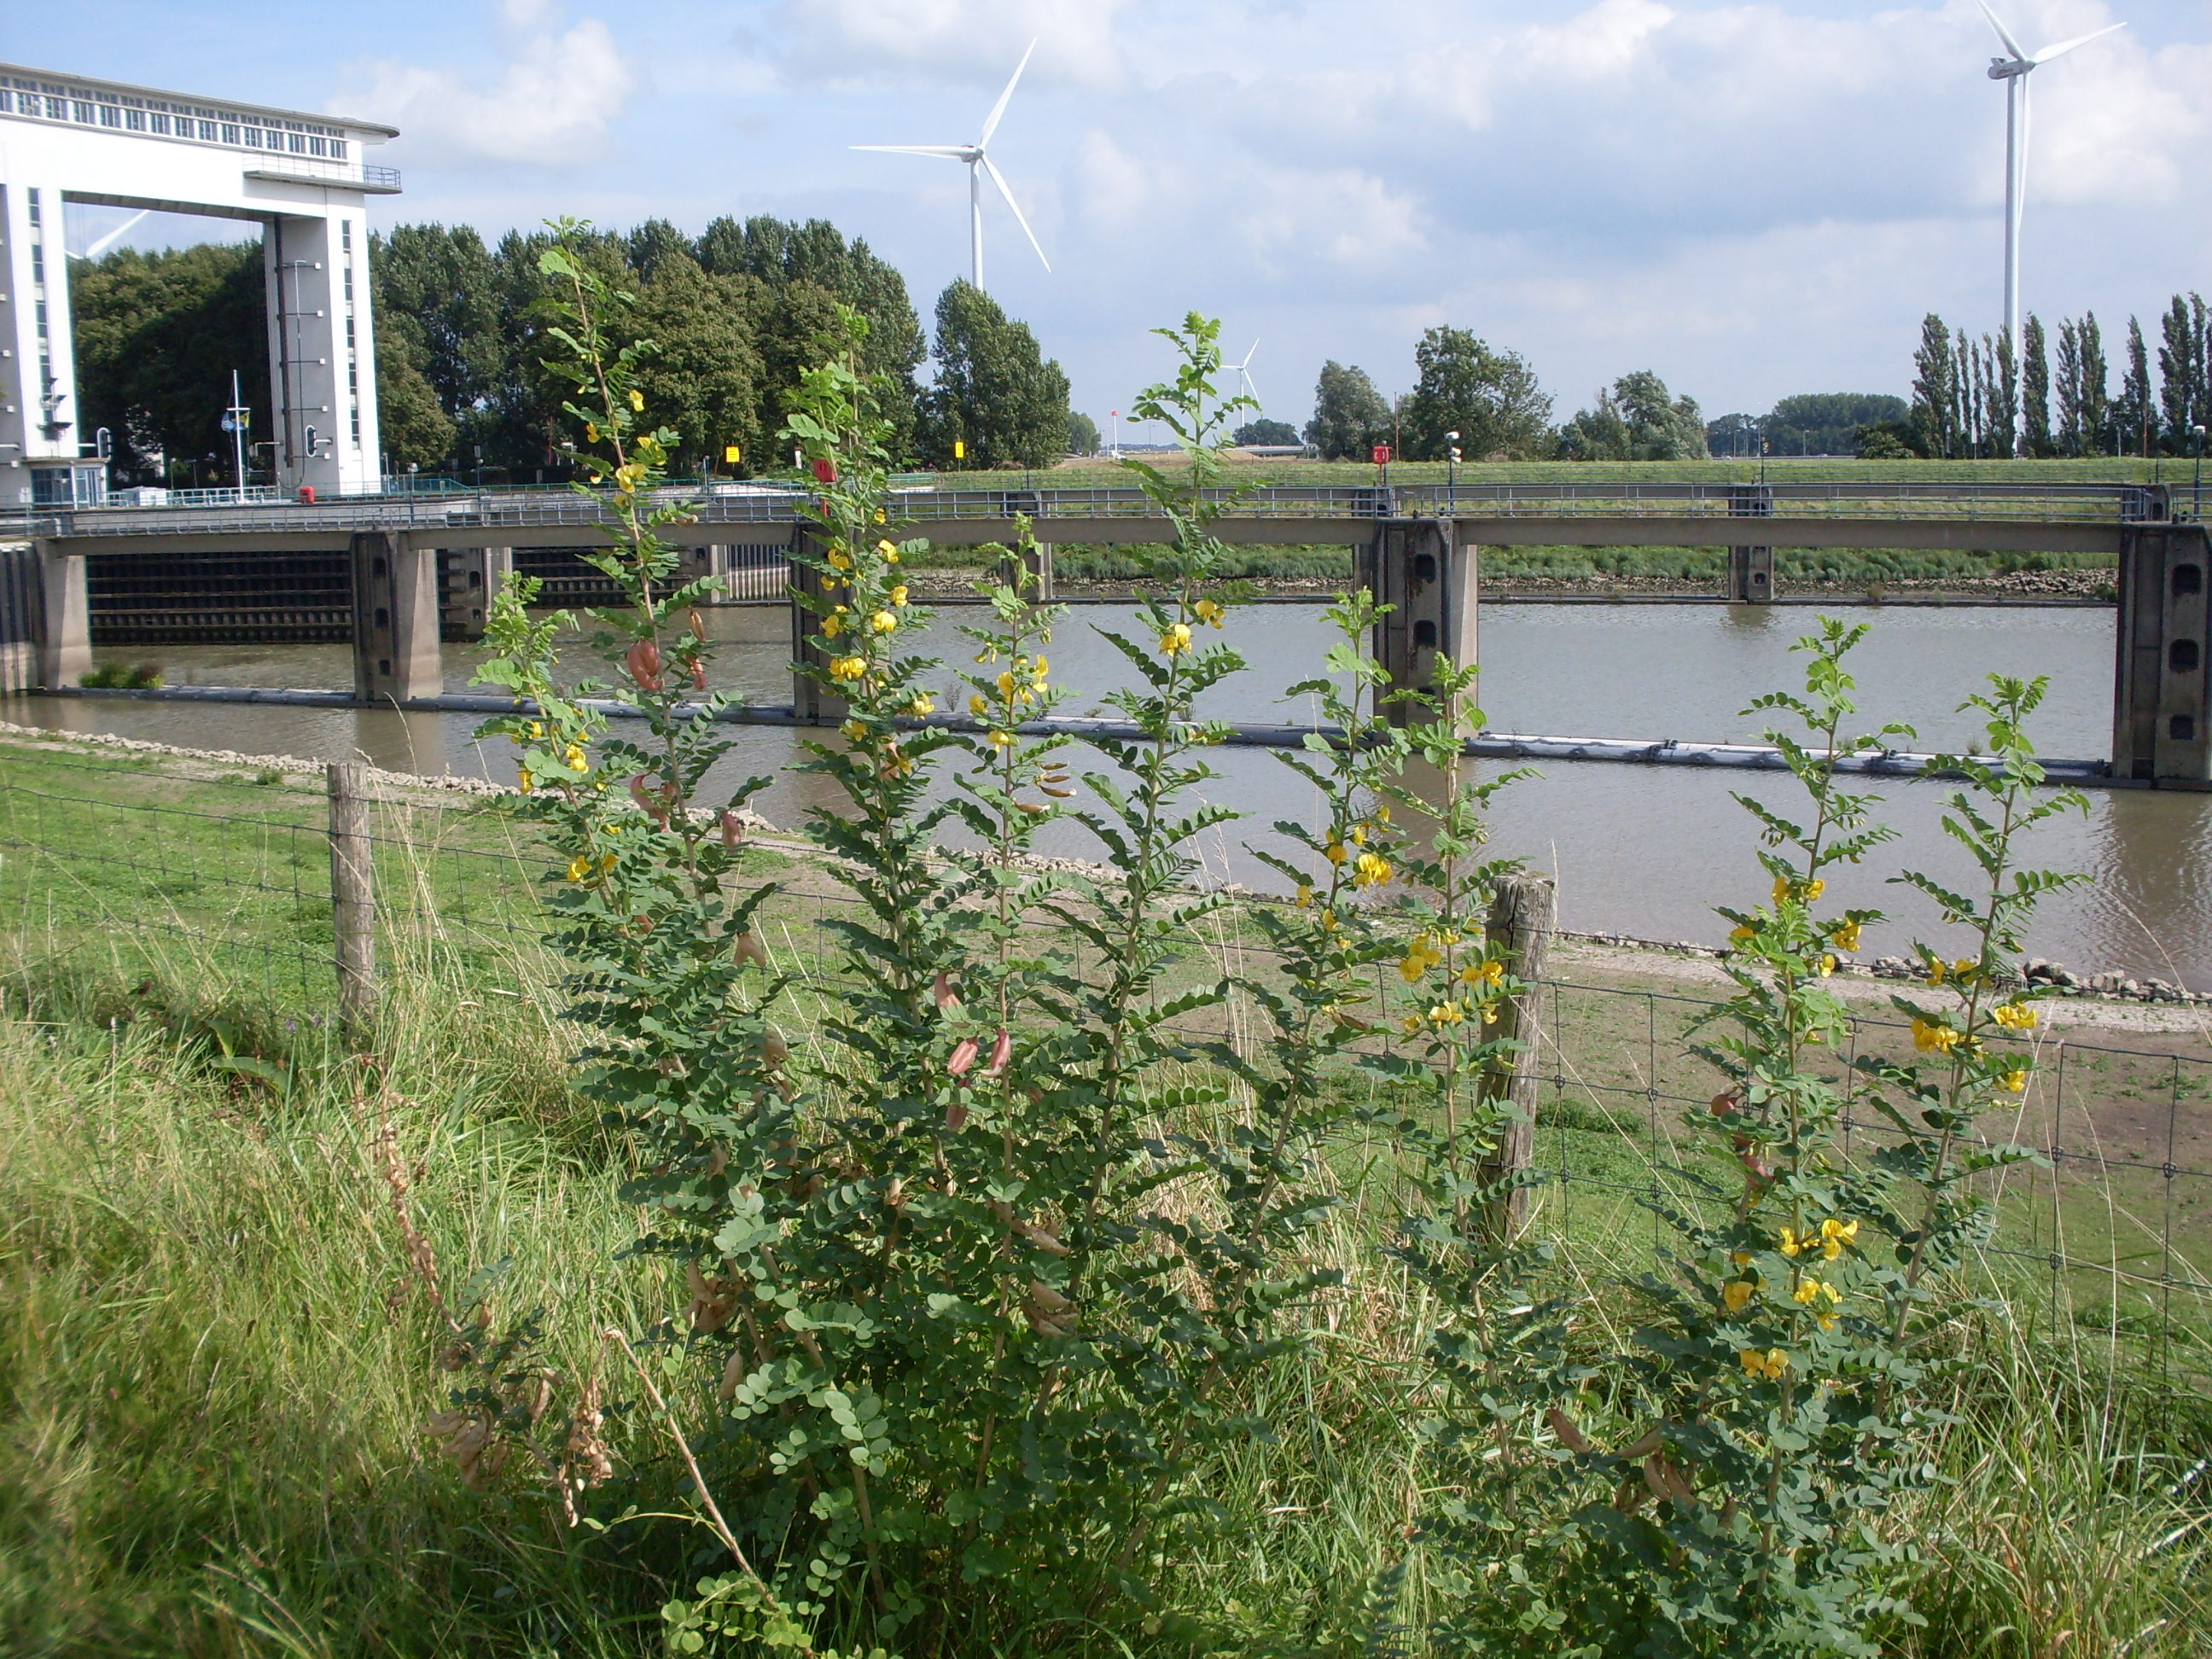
(1639, 850)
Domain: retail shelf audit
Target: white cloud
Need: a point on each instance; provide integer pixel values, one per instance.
(552, 102)
(978, 40)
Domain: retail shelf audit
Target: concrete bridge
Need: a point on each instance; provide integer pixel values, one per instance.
(1419, 549)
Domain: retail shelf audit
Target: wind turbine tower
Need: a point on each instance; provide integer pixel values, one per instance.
(2013, 68)
(978, 163)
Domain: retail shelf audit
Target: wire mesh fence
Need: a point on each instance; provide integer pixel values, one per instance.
(220, 878)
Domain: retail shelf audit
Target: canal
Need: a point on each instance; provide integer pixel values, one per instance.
(1645, 851)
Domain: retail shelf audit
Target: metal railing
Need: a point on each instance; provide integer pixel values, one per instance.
(523, 509)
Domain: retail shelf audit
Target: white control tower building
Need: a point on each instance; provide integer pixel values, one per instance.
(301, 177)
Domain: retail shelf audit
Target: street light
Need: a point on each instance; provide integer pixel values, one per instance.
(1451, 470)
(2197, 489)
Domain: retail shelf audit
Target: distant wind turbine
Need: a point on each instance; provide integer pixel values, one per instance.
(100, 246)
(978, 163)
(1243, 373)
(2013, 70)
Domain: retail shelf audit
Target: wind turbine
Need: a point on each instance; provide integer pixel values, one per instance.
(978, 163)
(1243, 373)
(100, 246)
(2013, 70)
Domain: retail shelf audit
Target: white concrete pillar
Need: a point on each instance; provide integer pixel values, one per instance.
(39, 414)
(322, 351)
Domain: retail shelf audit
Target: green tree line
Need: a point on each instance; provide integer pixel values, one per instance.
(461, 382)
(1981, 396)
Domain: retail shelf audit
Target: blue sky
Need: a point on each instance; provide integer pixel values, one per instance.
(1754, 199)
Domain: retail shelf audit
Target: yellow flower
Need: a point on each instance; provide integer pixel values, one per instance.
(1176, 640)
(1382, 815)
(629, 478)
(1827, 965)
(1043, 669)
(1931, 1037)
(1835, 1297)
(1370, 871)
(1359, 835)
(1846, 935)
(854, 730)
(1411, 1024)
(1208, 611)
(847, 668)
(883, 621)
(890, 557)
(1739, 1258)
(1736, 1294)
(637, 400)
(922, 704)
(1936, 971)
(2014, 1016)
(1827, 1321)
(523, 779)
(977, 707)
(1305, 894)
(1002, 739)
(1813, 889)
(1769, 1364)
(574, 754)
(1446, 1013)
(1334, 852)
(833, 625)
(840, 560)
(1807, 1294)
(1743, 931)
(898, 595)
(607, 861)
(591, 432)
(884, 547)
(2014, 1081)
(1790, 1242)
(1006, 683)
(1846, 1230)
(538, 729)
(580, 867)
(1966, 970)
(1482, 973)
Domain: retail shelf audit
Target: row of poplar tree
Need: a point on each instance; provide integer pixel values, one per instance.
(1982, 397)
(462, 387)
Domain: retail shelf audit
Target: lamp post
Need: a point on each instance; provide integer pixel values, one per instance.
(1451, 470)
(1115, 416)
(2197, 486)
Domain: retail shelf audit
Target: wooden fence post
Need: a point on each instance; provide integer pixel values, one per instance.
(1521, 914)
(353, 893)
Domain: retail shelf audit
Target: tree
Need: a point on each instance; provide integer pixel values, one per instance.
(2034, 389)
(1350, 417)
(1637, 419)
(2083, 404)
(995, 390)
(2184, 397)
(1935, 387)
(705, 377)
(1266, 432)
(1489, 397)
(1082, 434)
(158, 336)
(410, 422)
(437, 295)
(2136, 411)
(1828, 422)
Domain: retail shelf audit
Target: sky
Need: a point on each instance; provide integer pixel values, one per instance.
(1753, 199)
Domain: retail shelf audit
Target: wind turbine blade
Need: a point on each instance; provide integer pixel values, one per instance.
(100, 246)
(1249, 357)
(2003, 34)
(991, 121)
(2065, 46)
(1251, 389)
(999, 180)
(950, 152)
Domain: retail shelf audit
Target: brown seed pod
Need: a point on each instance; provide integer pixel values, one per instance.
(750, 947)
(773, 1051)
(1049, 1312)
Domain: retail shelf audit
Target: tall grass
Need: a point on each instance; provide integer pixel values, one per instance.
(214, 1363)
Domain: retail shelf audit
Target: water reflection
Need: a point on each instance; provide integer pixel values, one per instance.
(1646, 851)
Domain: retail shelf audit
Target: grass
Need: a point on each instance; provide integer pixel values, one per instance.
(215, 1362)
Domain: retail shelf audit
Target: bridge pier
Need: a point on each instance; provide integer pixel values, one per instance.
(395, 618)
(1750, 569)
(1419, 568)
(469, 579)
(21, 621)
(810, 700)
(2162, 687)
(65, 623)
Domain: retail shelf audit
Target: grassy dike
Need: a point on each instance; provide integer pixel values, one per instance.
(216, 1355)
